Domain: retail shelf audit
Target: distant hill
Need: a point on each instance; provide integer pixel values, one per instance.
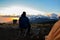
(43, 19)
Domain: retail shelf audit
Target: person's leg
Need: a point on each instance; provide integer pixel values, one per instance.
(28, 31)
(25, 32)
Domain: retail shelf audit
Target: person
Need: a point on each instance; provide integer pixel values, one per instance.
(55, 32)
(24, 23)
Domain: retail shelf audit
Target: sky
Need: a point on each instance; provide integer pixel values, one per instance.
(33, 7)
(48, 6)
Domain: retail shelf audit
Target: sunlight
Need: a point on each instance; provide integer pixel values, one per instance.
(17, 10)
(15, 18)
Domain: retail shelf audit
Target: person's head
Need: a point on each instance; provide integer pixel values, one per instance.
(24, 13)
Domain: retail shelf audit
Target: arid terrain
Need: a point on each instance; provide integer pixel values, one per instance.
(11, 31)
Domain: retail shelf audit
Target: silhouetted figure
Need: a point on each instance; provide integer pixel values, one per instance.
(24, 22)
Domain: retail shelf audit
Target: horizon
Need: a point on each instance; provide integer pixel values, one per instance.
(9, 19)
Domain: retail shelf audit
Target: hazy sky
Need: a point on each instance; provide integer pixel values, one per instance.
(48, 6)
(51, 6)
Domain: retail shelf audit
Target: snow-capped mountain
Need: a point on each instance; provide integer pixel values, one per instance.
(54, 16)
(42, 18)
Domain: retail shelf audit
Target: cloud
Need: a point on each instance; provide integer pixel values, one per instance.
(17, 10)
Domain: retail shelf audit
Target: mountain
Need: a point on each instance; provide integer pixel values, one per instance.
(33, 18)
(54, 16)
(42, 19)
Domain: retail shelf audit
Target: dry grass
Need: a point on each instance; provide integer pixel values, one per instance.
(10, 32)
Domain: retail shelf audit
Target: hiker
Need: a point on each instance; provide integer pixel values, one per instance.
(24, 23)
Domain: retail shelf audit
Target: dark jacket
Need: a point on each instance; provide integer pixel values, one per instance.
(24, 22)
